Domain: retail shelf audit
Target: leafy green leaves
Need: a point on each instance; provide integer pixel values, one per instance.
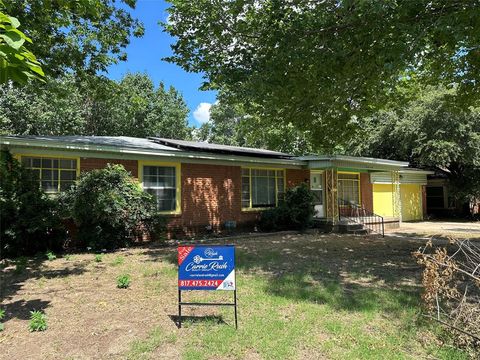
(17, 63)
(82, 36)
(322, 65)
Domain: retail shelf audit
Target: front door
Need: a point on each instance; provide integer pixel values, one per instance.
(316, 185)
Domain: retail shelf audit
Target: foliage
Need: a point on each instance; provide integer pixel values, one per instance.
(29, 220)
(17, 63)
(94, 106)
(83, 36)
(38, 321)
(2, 315)
(109, 207)
(429, 132)
(452, 288)
(98, 258)
(296, 212)
(50, 255)
(123, 281)
(229, 124)
(320, 64)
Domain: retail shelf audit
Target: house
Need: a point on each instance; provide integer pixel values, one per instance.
(199, 185)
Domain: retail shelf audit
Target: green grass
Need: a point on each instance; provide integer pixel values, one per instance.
(119, 260)
(289, 307)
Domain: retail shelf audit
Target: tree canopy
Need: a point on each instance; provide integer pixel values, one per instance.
(429, 133)
(229, 124)
(323, 65)
(17, 63)
(83, 36)
(94, 106)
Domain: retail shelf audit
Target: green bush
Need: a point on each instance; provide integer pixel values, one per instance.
(296, 212)
(109, 208)
(123, 281)
(29, 219)
(38, 321)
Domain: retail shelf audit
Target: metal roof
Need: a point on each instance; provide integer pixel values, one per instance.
(354, 159)
(222, 149)
(116, 141)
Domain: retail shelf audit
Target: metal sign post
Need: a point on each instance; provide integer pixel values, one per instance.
(206, 267)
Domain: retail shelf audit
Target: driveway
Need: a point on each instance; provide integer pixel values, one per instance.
(461, 229)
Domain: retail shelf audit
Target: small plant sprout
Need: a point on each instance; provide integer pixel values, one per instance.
(2, 315)
(123, 281)
(50, 255)
(69, 257)
(38, 321)
(98, 257)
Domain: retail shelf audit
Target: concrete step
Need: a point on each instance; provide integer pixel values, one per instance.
(358, 232)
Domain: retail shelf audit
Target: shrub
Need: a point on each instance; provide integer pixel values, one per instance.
(296, 212)
(20, 264)
(123, 281)
(38, 321)
(98, 257)
(109, 208)
(29, 219)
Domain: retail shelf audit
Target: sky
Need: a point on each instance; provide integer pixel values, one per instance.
(145, 55)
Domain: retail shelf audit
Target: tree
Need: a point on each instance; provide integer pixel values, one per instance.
(17, 63)
(320, 65)
(94, 105)
(229, 124)
(430, 133)
(83, 36)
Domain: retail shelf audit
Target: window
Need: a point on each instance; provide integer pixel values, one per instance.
(349, 188)
(53, 174)
(262, 187)
(161, 182)
(435, 197)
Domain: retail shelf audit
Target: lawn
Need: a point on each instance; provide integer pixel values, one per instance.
(304, 296)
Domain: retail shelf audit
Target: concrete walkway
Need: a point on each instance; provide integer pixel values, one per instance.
(460, 229)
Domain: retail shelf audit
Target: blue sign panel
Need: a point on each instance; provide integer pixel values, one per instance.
(206, 267)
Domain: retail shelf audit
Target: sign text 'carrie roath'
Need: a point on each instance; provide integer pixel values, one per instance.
(206, 267)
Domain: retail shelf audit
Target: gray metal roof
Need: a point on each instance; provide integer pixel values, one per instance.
(216, 148)
(116, 141)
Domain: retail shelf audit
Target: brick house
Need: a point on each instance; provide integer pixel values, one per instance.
(200, 185)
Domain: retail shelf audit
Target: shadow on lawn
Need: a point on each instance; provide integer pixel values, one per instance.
(347, 273)
(12, 280)
(190, 319)
(21, 309)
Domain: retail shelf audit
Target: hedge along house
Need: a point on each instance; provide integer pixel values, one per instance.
(203, 186)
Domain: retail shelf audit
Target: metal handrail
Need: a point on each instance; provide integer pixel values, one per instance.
(360, 215)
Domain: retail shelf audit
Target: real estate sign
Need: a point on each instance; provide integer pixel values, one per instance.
(203, 267)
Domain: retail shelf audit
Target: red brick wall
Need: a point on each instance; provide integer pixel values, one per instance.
(366, 191)
(297, 176)
(87, 164)
(211, 194)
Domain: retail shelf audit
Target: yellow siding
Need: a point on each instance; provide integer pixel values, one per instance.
(383, 199)
(411, 195)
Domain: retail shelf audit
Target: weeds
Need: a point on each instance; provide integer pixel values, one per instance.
(123, 281)
(2, 315)
(50, 256)
(98, 258)
(38, 321)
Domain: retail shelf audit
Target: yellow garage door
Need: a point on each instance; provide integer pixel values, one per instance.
(383, 199)
(411, 195)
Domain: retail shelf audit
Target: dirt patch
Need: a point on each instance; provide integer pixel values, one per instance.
(89, 317)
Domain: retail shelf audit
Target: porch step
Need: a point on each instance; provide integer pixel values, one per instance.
(350, 228)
